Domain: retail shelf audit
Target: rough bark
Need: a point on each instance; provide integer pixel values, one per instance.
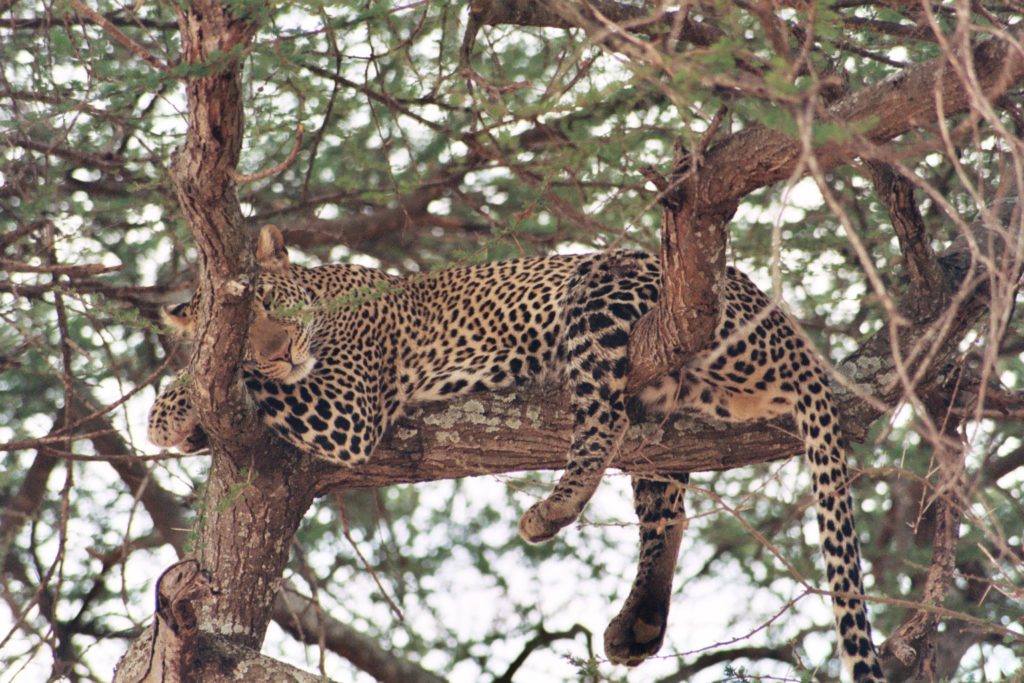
(256, 492)
(756, 157)
(253, 500)
(181, 652)
(694, 234)
(897, 194)
(201, 173)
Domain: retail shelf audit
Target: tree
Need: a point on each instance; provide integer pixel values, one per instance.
(866, 149)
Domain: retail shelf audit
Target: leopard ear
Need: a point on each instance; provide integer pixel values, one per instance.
(179, 318)
(271, 253)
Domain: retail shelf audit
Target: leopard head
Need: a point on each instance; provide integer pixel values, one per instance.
(279, 343)
(281, 331)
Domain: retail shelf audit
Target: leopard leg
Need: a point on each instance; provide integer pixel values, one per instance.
(638, 630)
(593, 448)
(602, 304)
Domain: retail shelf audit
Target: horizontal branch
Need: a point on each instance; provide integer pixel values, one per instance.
(106, 161)
(301, 617)
(634, 18)
(529, 430)
(358, 230)
(71, 270)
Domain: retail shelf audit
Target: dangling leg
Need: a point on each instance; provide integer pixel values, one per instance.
(599, 425)
(601, 306)
(172, 420)
(639, 629)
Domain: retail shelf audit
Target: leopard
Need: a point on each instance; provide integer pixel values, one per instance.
(337, 353)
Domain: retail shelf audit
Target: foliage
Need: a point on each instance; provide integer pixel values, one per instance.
(418, 155)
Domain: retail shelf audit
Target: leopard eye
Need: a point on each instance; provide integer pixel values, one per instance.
(266, 297)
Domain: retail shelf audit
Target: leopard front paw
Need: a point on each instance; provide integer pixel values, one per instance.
(545, 519)
(173, 423)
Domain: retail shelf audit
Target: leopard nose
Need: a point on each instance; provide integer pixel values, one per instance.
(282, 354)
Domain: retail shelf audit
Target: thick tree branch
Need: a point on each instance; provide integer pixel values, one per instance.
(250, 495)
(904, 101)
(693, 244)
(300, 617)
(201, 172)
(255, 495)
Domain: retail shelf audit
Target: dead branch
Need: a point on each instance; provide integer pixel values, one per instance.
(242, 179)
(180, 652)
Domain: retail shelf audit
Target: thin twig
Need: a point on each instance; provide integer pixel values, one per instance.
(58, 268)
(242, 179)
(116, 33)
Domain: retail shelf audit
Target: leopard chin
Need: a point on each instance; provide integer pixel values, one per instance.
(299, 371)
(284, 372)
